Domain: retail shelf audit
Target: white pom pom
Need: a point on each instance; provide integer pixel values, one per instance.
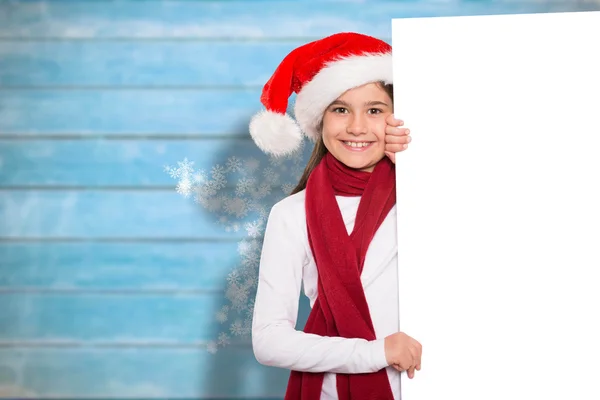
(274, 133)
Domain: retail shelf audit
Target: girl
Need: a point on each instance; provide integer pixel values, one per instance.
(336, 232)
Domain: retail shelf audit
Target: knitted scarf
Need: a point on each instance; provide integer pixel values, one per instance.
(341, 308)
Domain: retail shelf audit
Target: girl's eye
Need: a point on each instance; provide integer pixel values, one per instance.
(339, 110)
(375, 111)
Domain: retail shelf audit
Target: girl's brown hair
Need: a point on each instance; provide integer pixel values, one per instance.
(320, 150)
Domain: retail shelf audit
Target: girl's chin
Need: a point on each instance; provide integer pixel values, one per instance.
(359, 159)
(360, 164)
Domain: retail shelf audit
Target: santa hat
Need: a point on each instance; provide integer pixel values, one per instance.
(318, 72)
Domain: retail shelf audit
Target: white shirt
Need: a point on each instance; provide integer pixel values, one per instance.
(287, 263)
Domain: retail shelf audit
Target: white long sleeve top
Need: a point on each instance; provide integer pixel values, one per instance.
(287, 264)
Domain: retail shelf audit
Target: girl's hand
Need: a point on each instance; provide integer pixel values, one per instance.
(396, 137)
(410, 372)
(403, 353)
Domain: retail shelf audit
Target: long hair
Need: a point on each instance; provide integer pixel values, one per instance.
(320, 150)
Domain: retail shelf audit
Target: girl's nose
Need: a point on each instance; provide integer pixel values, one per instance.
(357, 125)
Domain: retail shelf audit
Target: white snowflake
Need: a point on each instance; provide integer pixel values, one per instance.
(255, 246)
(244, 247)
(254, 229)
(238, 295)
(234, 164)
(277, 162)
(233, 277)
(212, 204)
(236, 206)
(251, 258)
(250, 308)
(218, 175)
(264, 190)
(211, 347)
(271, 176)
(184, 169)
(240, 205)
(237, 328)
(287, 187)
(199, 177)
(185, 187)
(208, 189)
(252, 278)
(244, 185)
(223, 339)
(264, 214)
(254, 205)
(248, 321)
(222, 316)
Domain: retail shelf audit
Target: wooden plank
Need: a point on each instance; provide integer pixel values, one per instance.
(123, 215)
(140, 63)
(109, 111)
(135, 318)
(119, 266)
(239, 19)
(99, 162)
(137, 373)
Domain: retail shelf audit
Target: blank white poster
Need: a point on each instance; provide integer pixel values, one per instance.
(498, 200)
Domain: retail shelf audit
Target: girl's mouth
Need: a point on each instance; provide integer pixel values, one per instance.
(357, 146)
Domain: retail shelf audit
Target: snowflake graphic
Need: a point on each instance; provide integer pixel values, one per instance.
(223, 339)
(211, 347)
(234, 164)
(244, 185)
(222, 315)
(254, 229)
(184, 169)
(239, 193)
(184, 187)
(185, 173)
(238, 328)
(244, 248)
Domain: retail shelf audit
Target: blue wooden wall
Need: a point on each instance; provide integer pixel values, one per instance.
(111, 281)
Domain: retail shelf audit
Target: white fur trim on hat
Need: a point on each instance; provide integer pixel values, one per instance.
(334, 79)
(275, 133)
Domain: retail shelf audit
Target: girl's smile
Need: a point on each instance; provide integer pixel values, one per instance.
(357, 146)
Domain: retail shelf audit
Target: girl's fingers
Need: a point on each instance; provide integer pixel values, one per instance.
(391, 120)
(395, 148)
(390, 130)
(391, 139)
(416, 356)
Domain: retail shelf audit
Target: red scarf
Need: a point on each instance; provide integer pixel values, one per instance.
(341, 307)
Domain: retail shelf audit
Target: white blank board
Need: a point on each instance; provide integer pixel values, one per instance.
(499, 204)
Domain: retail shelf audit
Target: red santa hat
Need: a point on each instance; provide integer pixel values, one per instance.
(318, 72)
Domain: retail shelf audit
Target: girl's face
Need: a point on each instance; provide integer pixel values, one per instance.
(354, 126)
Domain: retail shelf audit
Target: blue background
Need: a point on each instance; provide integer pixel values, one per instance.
(110, 280)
